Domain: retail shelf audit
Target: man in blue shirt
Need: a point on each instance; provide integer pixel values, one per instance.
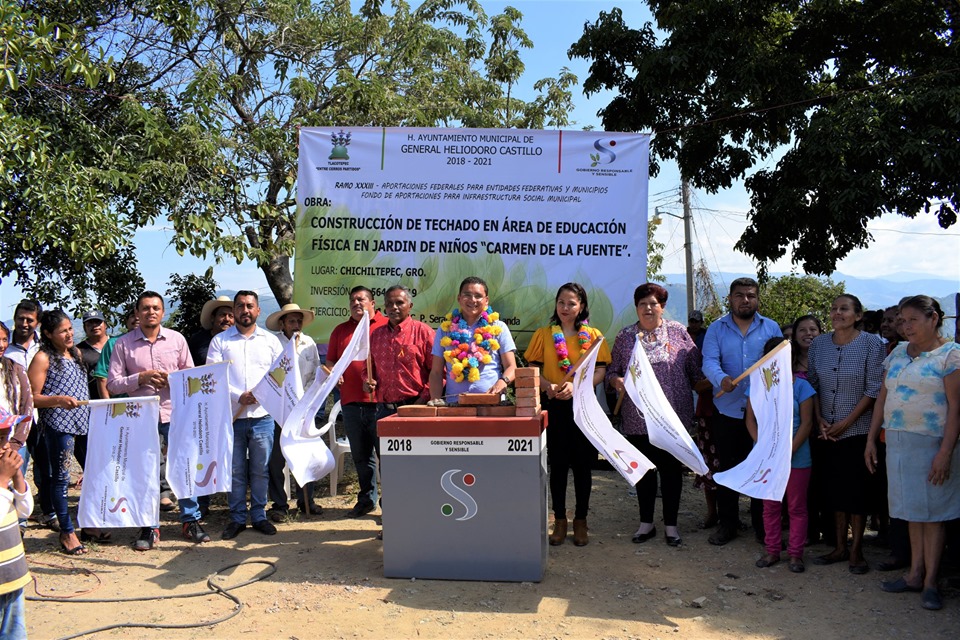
(731, 345)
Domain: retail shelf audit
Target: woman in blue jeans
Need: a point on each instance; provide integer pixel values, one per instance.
(59, 383)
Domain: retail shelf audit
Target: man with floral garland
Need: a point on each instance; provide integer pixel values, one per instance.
(468, 365)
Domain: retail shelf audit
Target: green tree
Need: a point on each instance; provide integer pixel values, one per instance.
(654, 252)
(706, 298)
(186, 295)
(856, 101)
(199, 123)
(786, 298)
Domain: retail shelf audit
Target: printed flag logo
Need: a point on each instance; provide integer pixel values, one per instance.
(208, 476)
(204, 384)
(459, 494)
(340, 142)
(771, 375)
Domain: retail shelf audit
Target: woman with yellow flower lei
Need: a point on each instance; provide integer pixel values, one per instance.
(472, 349)
(556, 349)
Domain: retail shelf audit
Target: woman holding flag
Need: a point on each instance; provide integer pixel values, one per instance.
(60, 393)
(676, 362)
(556, 349)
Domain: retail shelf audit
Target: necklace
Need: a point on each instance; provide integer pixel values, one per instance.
(560, 345)
(465, 351)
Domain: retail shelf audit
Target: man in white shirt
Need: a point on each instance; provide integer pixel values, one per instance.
(251, 352)
(290, 321)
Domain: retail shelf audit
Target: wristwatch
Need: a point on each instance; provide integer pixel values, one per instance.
(505, 380)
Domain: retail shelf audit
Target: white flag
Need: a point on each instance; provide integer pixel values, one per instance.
(765, 472)
(281, 389)
(595, 424)
(663, 426)
(121, 478)
(307, 455)
(200, 446)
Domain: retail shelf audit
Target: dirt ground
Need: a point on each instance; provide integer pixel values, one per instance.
(329, 584)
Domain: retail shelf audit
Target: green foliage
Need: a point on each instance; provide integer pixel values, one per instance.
(188, 294)
(197, 105)
(706, 297)
(654, 252)
(786, 298)
(860, 101)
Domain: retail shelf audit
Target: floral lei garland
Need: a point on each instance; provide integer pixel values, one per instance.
(560, 344)
(466, 353)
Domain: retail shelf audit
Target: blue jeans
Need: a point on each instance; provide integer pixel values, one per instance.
(13, 619)
(360, 423)
(189, 507)
(62, 447)
(253, 436)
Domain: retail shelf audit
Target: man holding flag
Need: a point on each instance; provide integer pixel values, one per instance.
(731, 345)
(358, 407)
(251, 352)
(139, 365)
(290, 321)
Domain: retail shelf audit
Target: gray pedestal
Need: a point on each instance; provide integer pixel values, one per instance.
(466, 498)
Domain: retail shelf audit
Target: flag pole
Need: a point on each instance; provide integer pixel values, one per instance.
(622, 393)
(756, 365)
(583, 355)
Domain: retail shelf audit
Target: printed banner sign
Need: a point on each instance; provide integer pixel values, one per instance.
(526, 210)
(307, 455)
(663, 425)
(281, 389)
(765, 472)
(121, 478)
(594, 423)
(200, 445)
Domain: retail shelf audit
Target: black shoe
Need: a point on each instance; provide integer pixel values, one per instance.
(232, 530)
(722, 536)
(193, 532)
(148, 539)
(359, 510)
(930, 599)
(899, 586)
(673, 541)
(277, 515)
(265, 527)
(643, 537)
(892, 564)
(313, 509)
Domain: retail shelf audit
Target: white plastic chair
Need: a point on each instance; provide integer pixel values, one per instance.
(339, 447)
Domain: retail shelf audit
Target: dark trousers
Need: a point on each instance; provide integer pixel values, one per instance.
(568, 449)
(671, 482)
(733, 444)
(42, 469)
(360, 424)
(275, 490)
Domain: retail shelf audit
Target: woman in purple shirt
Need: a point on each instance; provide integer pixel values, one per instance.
(676, 363)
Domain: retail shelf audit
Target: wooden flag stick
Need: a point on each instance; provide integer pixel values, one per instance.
(622, 393)
(756, 365)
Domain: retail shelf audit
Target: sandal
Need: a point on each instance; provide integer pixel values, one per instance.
(78, 550)
(100, 537)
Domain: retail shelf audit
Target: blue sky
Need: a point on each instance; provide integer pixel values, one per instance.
(900, 245)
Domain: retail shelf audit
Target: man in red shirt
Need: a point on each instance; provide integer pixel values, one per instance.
(357, 406)
(401, 354)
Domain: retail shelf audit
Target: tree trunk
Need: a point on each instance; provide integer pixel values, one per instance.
(279, 278)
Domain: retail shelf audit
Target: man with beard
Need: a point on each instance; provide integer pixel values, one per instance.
(251, 351)
(139, 366)
(731, 344)
(358, 406)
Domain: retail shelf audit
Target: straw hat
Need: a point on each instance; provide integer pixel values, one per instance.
(210, 307)
(273, 320)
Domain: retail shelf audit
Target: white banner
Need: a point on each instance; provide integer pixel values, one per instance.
(307, 455)
(663, 426)
(121, 477)
(281, 389)
(527, 210)
(200, 446)
(765, 472)
(595, 424)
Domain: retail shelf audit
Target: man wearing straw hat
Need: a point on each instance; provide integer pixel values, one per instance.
(215, 317)
(290, 321)
(359, 407)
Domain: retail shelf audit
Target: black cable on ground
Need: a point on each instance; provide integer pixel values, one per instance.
(213, 588)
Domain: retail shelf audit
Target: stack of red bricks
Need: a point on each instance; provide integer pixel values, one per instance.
(527, 389)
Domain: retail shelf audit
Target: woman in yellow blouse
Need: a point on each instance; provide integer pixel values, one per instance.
(556, 349)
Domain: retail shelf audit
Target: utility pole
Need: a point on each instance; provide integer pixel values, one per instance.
(688, 243)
